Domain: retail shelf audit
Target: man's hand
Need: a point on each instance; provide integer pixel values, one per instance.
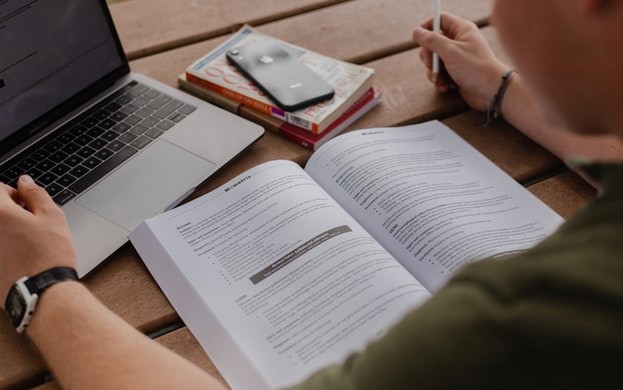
(468, 60)
(34, 235)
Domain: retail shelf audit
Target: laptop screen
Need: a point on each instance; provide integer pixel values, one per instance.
(51, 51)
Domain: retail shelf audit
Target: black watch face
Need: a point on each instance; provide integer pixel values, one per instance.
(16, 306)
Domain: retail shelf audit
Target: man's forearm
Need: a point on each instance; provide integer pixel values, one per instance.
(87, 346)
(520, 111)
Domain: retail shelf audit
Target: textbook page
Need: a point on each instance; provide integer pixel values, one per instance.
(273, 277)
(431, 199)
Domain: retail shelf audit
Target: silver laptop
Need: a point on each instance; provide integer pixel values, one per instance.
(111, 147)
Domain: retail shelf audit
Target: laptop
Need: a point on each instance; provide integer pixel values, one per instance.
(111, 147)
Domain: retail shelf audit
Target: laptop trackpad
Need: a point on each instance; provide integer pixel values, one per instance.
(146, 185)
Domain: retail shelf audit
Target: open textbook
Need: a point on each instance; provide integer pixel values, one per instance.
(283, 271)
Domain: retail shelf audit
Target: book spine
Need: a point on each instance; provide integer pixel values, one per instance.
(293, 133)
(313, 141)
(273, 111)
(232, 95)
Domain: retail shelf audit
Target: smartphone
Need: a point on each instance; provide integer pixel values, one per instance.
(280, 75)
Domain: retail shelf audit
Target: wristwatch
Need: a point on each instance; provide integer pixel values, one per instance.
(22, 299)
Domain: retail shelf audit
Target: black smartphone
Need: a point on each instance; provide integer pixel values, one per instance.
(291, 84)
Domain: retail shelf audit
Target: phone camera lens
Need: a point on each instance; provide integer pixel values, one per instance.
(234, 52)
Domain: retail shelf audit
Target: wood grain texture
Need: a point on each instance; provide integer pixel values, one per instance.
(150, 26)
(566, 193)
(355, 31)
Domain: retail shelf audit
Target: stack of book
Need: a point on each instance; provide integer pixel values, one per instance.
(213, 79)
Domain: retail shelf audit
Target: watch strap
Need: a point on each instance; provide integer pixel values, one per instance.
(41, 281)
(21, 301)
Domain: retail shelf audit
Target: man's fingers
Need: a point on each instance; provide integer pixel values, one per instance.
(432, 41)
(35, 198)
(8, 194)
(427, 58)
(451, 25)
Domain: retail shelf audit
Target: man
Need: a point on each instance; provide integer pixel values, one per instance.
(548, 318)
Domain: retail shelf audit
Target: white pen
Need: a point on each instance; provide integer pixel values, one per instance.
(437, 29)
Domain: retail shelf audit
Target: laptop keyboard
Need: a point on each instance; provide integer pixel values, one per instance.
(76, 156)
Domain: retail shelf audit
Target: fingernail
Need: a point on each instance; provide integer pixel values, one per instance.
(26, 179)
(418, 32)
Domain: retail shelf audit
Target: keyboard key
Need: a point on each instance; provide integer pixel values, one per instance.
(74, 160)
(45, 165)
(98, 143)
(132, 120)
(122, 127)
(116, 145)
(123, 100)
(53, 146)
(86, 152)
(187, 109)
(150, 122)
(103, 169)
(12, 173)
(40, 154)
(154, 133)
(66, 180)
(104, 154)
(107, 124)
(91, 162)
(159, 102)
(177, 117)
(90, 122)
(79, 171)
(141, 142)
(144, 112)
(137, 91)
(110, 135)
(27, 164)
(58, 156)
(33, 172)
(168, 109)
(96, 132)
(118, 116)
(63, 197)
(112, 107)
(65, 138)
(53, 189)
(140, 101)
(139, 129)
(165, 125)
(152, 94)
(71, 148)
(83, 139)
(60, 169)
(127, 137)
(101, 115)
(129, 109)
(78, 130)
(46, 179)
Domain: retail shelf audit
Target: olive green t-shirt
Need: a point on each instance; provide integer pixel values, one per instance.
(551, 317)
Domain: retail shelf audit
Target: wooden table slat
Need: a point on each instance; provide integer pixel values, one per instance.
(150, 26)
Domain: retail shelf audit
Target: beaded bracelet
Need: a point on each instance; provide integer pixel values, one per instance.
(495, 108)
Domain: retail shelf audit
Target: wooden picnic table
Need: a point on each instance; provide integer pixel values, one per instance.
(162, 37)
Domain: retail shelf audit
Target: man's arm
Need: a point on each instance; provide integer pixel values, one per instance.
(88, 347)
(85, 345)
(476, 73)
